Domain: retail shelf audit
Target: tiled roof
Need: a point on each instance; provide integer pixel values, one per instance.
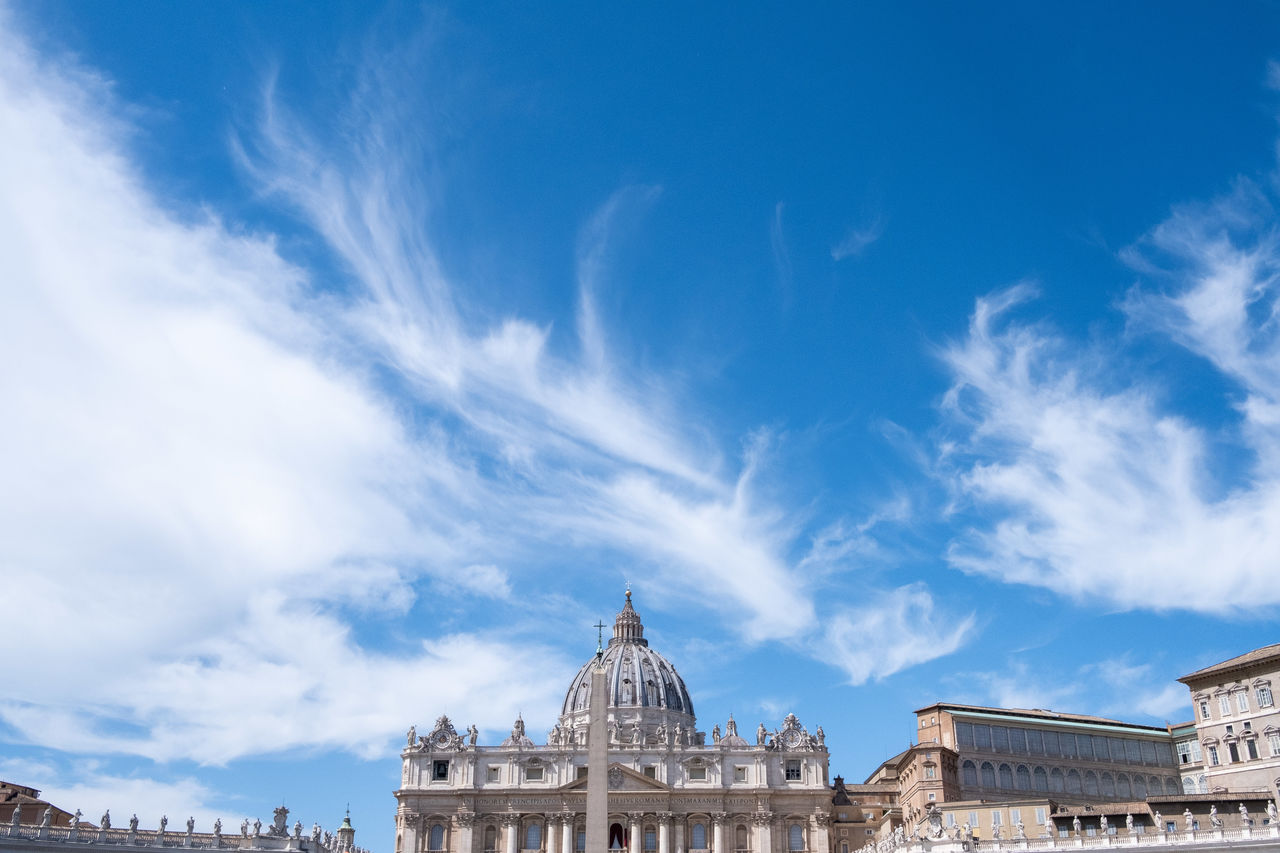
(1266, 653)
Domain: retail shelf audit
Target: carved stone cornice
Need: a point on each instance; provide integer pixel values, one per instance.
(822, 819)
(761, 818)
(718, 818)
(665, 818)
(465, 819)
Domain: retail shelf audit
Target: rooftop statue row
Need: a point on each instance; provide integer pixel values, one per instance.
(276, 836)
(792, 737)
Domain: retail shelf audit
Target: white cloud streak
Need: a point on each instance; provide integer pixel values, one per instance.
(856, 240)
(198, 446)
(1101, 491)
(892, 631)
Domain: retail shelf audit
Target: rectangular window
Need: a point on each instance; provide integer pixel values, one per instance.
(1204, 709)
(1273, 741)
(999, 738)
(1233, 752)
(951, 819)
(1242, 702)
(651, 771)
(739, 774)
(533, 774)
(1083, 744)
(1164, 754)
(1148, 752)
(973, 819)
(1015, 815)
(440, 771)
(793, 770)
(1111, 829)
(1184, 751)
(1041, 817)
(982, 737)
(1224, 704)
(1064, 833)
(580, 773)
(928, 772)
(493, 774)
(1035, 742)
(1263, 695)
(1196, 756)
(995, 818)
(1250, 748)
(1133, 751)
(1018, 741)
(932, 796)
(698, 774)
(1213, 756)
(1051, 744)
(964, 734)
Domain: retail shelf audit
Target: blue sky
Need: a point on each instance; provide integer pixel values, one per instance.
(356, 358)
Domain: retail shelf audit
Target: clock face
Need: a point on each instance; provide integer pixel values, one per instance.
(442, 738)
(791, 739)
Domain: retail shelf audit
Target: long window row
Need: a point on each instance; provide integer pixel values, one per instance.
(1055, 780)
(1019, 741)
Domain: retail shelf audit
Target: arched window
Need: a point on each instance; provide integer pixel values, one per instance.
(1108, 785)
(740, 838)
(1073, 782)
(435, 838)
(1091, 783)
(1188, 785)
(650, 838)
(699, 837)
(1040, 779)
(580, 843)
(969, 773)
(988, 775)
(795, 837)
(1006, 776)
(490, 839)
(1153, 786)
(533, 837)
(1139, 788)
(1123, 790)
(1171, 786)
(1023, 778)
(1057, 782)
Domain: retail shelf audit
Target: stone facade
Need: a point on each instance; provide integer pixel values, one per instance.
(671, 788)
(1237, 721)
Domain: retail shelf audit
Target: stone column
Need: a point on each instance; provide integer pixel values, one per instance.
(819, 831)
(567, 839)
(464, 840)
(635, 832)
(679, 827)
(664, 832)
(763, 822)
(409, 833)
(717, 832)
(551, 843)
(511, 823)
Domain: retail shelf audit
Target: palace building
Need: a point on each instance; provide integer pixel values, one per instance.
(671, 788)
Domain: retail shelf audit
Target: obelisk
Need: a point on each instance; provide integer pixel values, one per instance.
(598, 757)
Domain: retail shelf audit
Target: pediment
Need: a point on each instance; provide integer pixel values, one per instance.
(621, 779)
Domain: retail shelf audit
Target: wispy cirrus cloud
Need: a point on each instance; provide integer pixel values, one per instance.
(1098, 489)
(201, 443)
(856, 240)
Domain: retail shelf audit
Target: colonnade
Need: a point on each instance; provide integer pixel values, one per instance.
(559, 833)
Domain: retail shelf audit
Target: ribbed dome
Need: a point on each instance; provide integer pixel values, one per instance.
(639, 679)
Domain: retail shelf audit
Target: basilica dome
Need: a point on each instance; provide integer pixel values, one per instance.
(644, 687)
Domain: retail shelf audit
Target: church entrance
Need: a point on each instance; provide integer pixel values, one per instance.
(617, 837)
